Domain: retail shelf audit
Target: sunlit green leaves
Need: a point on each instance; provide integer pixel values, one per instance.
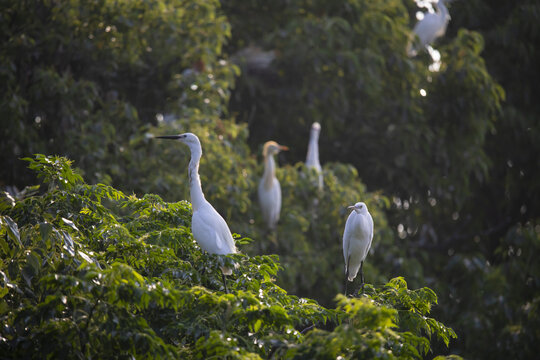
(54, 171)
(128, 279)
(9, 226)
(413, 306)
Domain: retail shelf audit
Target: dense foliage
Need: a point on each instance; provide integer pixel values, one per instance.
(90, 272)
(447, 161)
(87, 78)
(459, 160)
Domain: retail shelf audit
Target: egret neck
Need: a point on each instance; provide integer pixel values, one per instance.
(269, 170)
(195, 188)
(444, 11)
(313, 150)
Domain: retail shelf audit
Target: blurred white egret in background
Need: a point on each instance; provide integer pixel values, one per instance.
(357, 239)
(435, 66)
(254, 57)
(209, 228)
(269, 188)
(431, 27)
(312, 158)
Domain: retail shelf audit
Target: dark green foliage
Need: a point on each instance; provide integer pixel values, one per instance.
(497, 302)
(459, 164)
(91, 272)
(344, 65)
(451, 178)
(86, 79)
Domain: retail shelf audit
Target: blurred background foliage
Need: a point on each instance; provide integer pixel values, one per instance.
(450, 173)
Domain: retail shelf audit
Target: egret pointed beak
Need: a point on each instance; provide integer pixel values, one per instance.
(283, 148)
(351, 207)
(170, 137)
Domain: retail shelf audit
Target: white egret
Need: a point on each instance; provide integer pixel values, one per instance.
(254, 57)
(431, 27)
(209, 228)
(312, 158)
(357, 239)
(269, 188)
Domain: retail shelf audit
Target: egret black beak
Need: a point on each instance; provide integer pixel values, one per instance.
(170, 137)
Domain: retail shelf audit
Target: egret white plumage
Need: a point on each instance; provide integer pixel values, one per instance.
(254, 57)
(269, 189)
(312, 158)
(209, 228)
(357, 239)
(431, 27)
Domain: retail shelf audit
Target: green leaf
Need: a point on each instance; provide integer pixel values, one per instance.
(68, 242)
(45, 230)
(12, 229)
(257, 325)
(70, 224)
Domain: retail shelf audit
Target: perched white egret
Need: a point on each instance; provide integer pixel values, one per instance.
(357, 239)
(269, 188)
(431, 27)
(312, 158)
(209, 228)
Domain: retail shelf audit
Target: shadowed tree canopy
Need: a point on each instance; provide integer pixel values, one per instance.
(447, 161)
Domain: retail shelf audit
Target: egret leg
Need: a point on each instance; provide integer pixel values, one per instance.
(346, 280)
(224, 283)
(362, 275)
(273, 240)
(347, 274)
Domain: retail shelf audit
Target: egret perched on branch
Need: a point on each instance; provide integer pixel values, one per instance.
(357, 241)
(209, 228)
(312, 158)
(269, 188)
(431, 27)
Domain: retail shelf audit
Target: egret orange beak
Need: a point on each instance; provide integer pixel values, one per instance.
(283, 148)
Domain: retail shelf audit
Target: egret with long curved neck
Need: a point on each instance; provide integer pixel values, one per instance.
(269, 189)
(209, 228)
(431, 27)
(312, 158)
(357, 239)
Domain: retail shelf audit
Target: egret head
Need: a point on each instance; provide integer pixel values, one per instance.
(359, 207)
(271, 148)
(315, 130)
(189, 139)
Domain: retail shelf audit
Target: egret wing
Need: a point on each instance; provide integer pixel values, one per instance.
(428, 28)
(369, 222)
(270, 201)
(347, 235)
(276, 190)
(211, 231)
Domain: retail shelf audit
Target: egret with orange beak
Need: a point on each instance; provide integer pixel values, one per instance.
(269, 187)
